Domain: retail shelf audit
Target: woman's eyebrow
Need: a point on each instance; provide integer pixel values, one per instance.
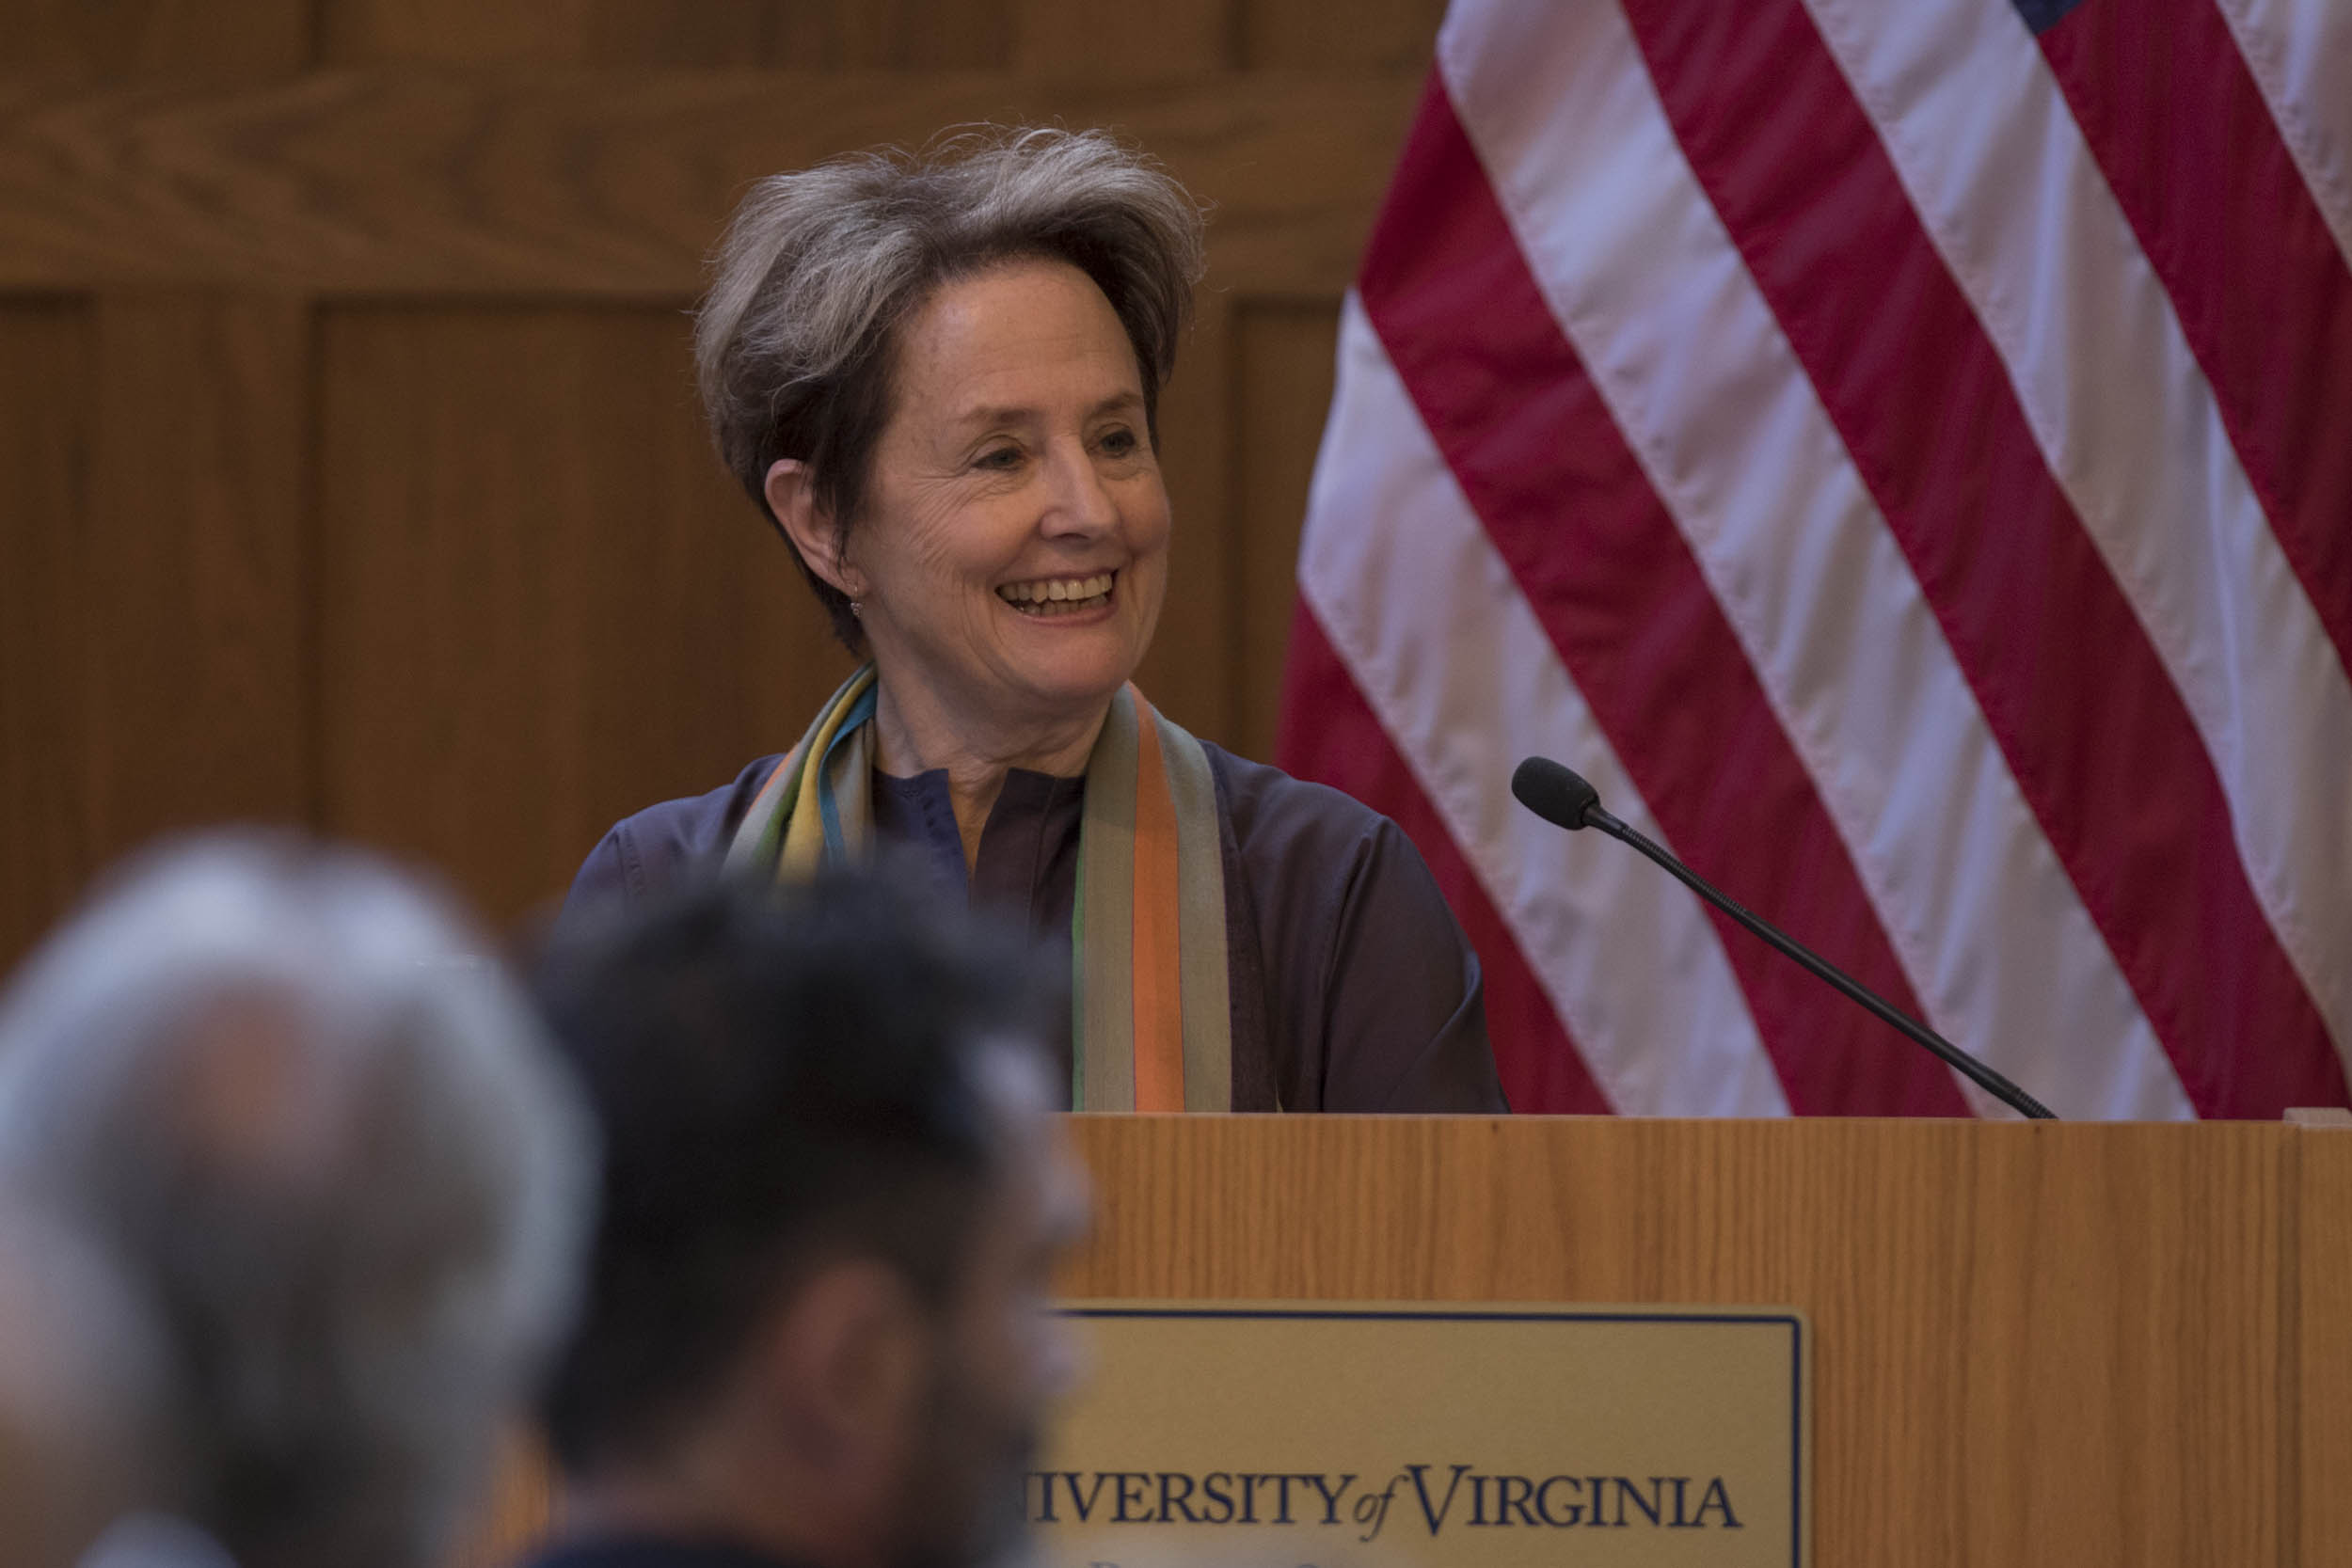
(1017, 413)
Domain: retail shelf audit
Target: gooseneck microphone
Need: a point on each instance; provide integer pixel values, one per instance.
(1560, 795)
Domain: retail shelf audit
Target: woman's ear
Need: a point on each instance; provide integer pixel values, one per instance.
(791, 493)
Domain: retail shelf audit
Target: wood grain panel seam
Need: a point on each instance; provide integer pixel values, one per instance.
(2290, 1391)
(1234, 585)
(315, 34)
(311, 536)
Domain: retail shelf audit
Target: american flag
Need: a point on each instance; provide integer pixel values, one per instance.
(1900, 451)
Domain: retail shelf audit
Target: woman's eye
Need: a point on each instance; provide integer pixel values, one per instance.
(999, 457)
(1120, 443)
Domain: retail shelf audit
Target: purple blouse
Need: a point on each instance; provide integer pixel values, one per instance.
(1352, 987)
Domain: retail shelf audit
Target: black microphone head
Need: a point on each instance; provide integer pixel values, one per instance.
(1554, 791)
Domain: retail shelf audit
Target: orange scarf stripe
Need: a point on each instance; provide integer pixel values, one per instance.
(1150, 1021)
(1158, 1002)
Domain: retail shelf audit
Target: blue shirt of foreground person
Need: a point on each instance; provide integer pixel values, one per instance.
(818, 1328)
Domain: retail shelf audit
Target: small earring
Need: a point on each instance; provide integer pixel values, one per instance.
(857, 607)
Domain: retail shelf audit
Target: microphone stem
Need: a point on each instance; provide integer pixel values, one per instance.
(1984, 1077)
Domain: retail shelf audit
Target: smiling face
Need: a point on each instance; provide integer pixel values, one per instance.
(1013, 553)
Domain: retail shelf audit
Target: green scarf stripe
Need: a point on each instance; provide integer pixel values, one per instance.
(758, 842)
(851, 778)
(1106, 884)
(1078, 988)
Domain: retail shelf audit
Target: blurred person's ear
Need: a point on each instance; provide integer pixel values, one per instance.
(850, 1359)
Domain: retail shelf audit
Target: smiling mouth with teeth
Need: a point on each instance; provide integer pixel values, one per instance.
(1047, 597)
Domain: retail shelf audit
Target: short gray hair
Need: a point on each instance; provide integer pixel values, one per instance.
(328, 1145)
(795, 341)
(80, 1368)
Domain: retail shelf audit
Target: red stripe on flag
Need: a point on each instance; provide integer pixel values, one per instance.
(2264, 297)
(1616, 589)
(1331, 735)
(2098, 739)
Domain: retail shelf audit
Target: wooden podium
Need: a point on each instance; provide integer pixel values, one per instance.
(2121, 1344)
(2080, 1344)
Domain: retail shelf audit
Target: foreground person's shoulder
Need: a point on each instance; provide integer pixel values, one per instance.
(663, 847)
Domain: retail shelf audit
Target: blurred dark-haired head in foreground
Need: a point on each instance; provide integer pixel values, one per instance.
(327, 1154)
(818, 1327)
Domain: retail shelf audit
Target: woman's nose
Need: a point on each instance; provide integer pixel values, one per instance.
(1080, 502)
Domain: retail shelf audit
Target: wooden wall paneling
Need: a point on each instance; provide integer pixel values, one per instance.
(1293, 194)
(1164, 38)
(47, 357)
(198, 566)
(566, 185)
(1340, 35)
(792, 35)
(2030, 1349)
(454, 32)
(1189, 668)
(1282, 390)
(153, 40)
(544, 604)
(896, 35)
(2320, 1394)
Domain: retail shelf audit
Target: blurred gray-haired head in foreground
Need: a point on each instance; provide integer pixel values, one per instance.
(329, 1150)
(78, 1389)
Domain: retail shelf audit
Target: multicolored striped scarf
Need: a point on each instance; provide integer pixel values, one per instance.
(1153, 1031)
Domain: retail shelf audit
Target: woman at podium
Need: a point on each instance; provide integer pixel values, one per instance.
(938, 376)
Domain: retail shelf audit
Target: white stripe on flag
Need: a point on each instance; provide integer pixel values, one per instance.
(2300, 54)
(1694, 368)
(1994, 162)
(1449, 655)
